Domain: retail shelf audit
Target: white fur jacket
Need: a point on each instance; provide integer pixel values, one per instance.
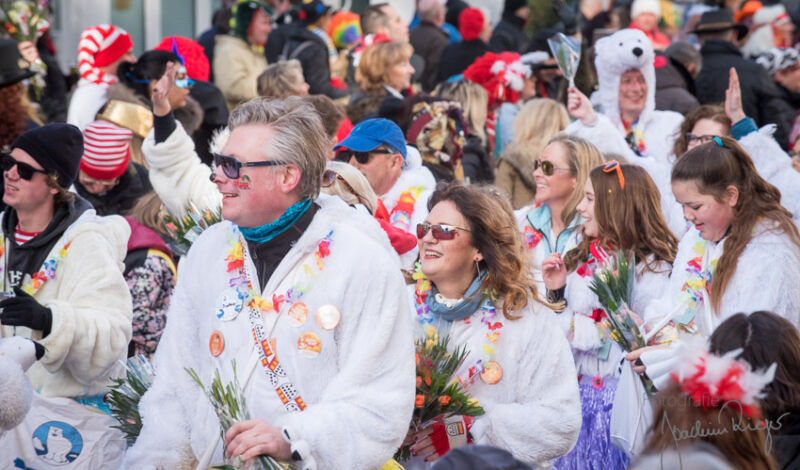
(534, 412)
(359, 389)
(92, 311)
(582, 331)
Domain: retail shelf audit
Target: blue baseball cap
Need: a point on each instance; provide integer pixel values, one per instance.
(371, 134)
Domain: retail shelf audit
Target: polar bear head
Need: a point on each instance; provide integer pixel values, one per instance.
(626, 49)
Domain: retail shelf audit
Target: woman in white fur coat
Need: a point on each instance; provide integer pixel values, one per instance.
(621, 211)
(519, 367)
(742, 255)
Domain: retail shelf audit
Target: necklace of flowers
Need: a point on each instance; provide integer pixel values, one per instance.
(32, 284)
(635, 138)
(698, 279)
(244, 287)
(489, 318)
(400, 216)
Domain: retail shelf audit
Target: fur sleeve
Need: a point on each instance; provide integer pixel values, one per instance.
(177, 174)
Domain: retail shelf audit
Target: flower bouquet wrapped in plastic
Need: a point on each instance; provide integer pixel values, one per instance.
(184, 231)
(26, 21)
(439, 391)
(231, 407)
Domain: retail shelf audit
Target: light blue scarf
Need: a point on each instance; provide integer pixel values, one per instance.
(466, 307)
(271, 230)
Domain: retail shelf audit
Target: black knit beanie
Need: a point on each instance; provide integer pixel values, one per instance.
(513, 5)
(58, 148)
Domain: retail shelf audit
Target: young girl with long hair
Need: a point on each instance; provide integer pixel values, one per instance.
(620, 211)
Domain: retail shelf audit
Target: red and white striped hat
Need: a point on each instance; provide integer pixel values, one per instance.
(99, 46)
(106, 150)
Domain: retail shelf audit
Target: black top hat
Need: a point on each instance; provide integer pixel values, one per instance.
(719, 20)
(10, 60)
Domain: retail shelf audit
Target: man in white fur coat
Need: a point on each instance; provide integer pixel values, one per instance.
(303, 294)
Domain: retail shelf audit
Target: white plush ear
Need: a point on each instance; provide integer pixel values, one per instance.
(20, 350)
(219, 140)
(16, 394)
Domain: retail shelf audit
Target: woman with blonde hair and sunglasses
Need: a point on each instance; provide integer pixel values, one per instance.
(474, 284)
(552, 223)
(621, 211)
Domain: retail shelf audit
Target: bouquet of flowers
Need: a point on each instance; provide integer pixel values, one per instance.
(26, 21)
(613, 284)
(230, 405)
(184, 231)
(123, 399)
(439, 392)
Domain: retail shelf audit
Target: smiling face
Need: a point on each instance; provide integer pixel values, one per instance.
(24, 195)
(448, 260)
(260, 195)
(586, 210)
(559, 185)
(708, 215)
(632, 93)
(260, 27)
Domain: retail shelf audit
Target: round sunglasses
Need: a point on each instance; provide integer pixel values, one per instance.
(547, 167)
(439, 231)
(25, 171)
(231, 166)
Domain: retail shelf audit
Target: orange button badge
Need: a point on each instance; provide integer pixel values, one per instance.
(298, 314)
(492, 373)
(328, 317)
(216, 343)
(309, 345)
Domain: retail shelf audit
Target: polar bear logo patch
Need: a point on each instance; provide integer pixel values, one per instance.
(57, 443)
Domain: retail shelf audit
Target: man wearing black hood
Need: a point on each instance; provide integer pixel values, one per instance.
(509, 35)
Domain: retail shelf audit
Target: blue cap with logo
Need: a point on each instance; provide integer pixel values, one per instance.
(371, 134)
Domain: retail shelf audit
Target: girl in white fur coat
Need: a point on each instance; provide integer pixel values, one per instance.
(519, 367)
(620, 210)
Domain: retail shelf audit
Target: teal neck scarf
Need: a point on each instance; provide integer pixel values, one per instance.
(271, 230)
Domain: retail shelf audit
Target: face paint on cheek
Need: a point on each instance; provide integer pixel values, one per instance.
(243, 183)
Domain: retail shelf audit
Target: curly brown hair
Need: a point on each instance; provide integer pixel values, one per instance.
(714, 168)
(16, 108)
(714, 112)
(494, 232)
(628, 219)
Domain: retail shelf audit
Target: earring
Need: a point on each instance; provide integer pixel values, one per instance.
(478, 266)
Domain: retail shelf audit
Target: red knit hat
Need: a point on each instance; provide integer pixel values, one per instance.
(191, 53)
(106, 150)
(470, 23)
(99, 46)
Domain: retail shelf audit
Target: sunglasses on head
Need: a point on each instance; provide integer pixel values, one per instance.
(547, 167)
(361, 157)
(25, 171)
(439, 231)
(330, 177)
(230, 166)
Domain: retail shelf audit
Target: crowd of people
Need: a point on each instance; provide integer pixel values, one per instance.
(302, 201)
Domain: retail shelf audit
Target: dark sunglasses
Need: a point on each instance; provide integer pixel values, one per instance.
(361, 157)
(547, 167)
(439, 231)
(330, 177)
(25, 171)
(230, 166)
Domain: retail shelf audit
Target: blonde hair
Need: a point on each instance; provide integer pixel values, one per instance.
(538, 121)
(281, 79)
(364, 193)
(377, 60)
(298, 139)
(582, 157)
(474, 103)
(148, 212)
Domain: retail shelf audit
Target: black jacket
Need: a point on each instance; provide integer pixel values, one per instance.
(429, 41)
(133, 184)
(312, 53)
(508, 35)
(215, 117)
(28, 258)
(760, 97)
(458, 56)
(476, 161)
(673, 88)
(786, 441)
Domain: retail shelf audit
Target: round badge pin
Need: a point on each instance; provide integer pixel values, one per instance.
(229, 305)
(216, 343)
(492, 373)
(298, 314)
(328, 317)
(309, 345)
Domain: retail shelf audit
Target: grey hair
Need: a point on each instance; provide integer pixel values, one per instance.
(357, 181)
(686, 54)
(280, 79)
(298, 139)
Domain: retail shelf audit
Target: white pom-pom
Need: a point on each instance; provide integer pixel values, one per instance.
(497, 67)
(16, 394)
(585, 336)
